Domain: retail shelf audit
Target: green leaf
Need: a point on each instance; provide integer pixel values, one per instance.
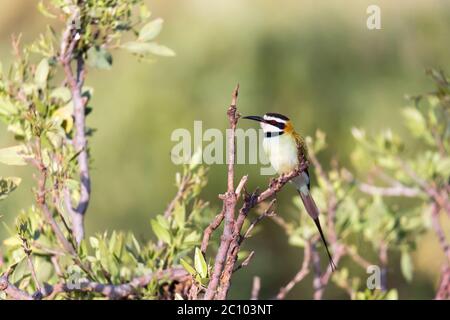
(13, 242)
(13, 156)
(358, 134)
(163, 222)
(160, 50)
(136, 244)
(8, 185)
(178, 296)
(415, 121)
(99, 58)
(62, 93)
(64, 114)
(179, 215)
(143, 48)
(406, 265)
(151, 30)
(443, 167)
(7, 107)
(392, 295)
(42, 71)
(94, 242)
(188, 267)
(136, 47)
(192, 237)
(160, 232)
(200, 264)
(144, 12)
(196, 159)
(43, 10)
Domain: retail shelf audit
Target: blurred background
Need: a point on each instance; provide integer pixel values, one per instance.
(314, 61)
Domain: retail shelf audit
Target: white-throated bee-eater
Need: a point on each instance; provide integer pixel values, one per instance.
(286, 149)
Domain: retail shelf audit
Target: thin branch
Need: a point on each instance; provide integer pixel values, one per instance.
(119, 291)
(245, 262)
(443, 292)
(394, 191)
(241, 186)
(439, 231)
(56, 266)
(353, 254)
(267, 213)
(180, 193)
(383, 256)
(338, 254)
(317, 281)
(256, 287)
(27, 250)
(12, 291)
(299, 276)
(331, 197)
(41, 200)
(211, 228)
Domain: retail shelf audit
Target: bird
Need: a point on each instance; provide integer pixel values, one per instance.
(286, 149)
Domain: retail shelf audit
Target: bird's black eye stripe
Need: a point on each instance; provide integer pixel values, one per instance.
(277, 124)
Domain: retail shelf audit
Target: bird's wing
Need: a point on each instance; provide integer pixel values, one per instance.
(302, 149)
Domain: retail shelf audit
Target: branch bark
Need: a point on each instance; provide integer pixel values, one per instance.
(443, 292)
(75, 83)
(229, 202)
(111, 291)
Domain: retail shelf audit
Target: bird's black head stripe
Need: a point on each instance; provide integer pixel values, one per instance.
(277, 115)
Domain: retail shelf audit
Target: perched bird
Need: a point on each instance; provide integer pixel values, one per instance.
(286, 149)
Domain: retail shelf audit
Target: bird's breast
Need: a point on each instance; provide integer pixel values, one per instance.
(282, 153)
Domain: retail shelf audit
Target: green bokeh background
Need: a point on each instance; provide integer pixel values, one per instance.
(314, 61)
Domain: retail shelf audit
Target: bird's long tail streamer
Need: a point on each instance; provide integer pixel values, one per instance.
(313, 211)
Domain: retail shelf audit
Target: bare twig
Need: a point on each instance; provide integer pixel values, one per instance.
(27, 250)
(439, 231)
(339, 252)
(56, 266)
(383, 256)
(110, 291)
(393, 191)
(357, 258)
(443, 292)
(178, 196)
(245, 262)
(12, 291)
(241, 186)
(211, 228)
(317, 283)
(120, 291)
(267, 213)
(331, 197)
(256, 287)
(300, 275)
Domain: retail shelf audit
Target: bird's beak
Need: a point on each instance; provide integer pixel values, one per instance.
(256, 118)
